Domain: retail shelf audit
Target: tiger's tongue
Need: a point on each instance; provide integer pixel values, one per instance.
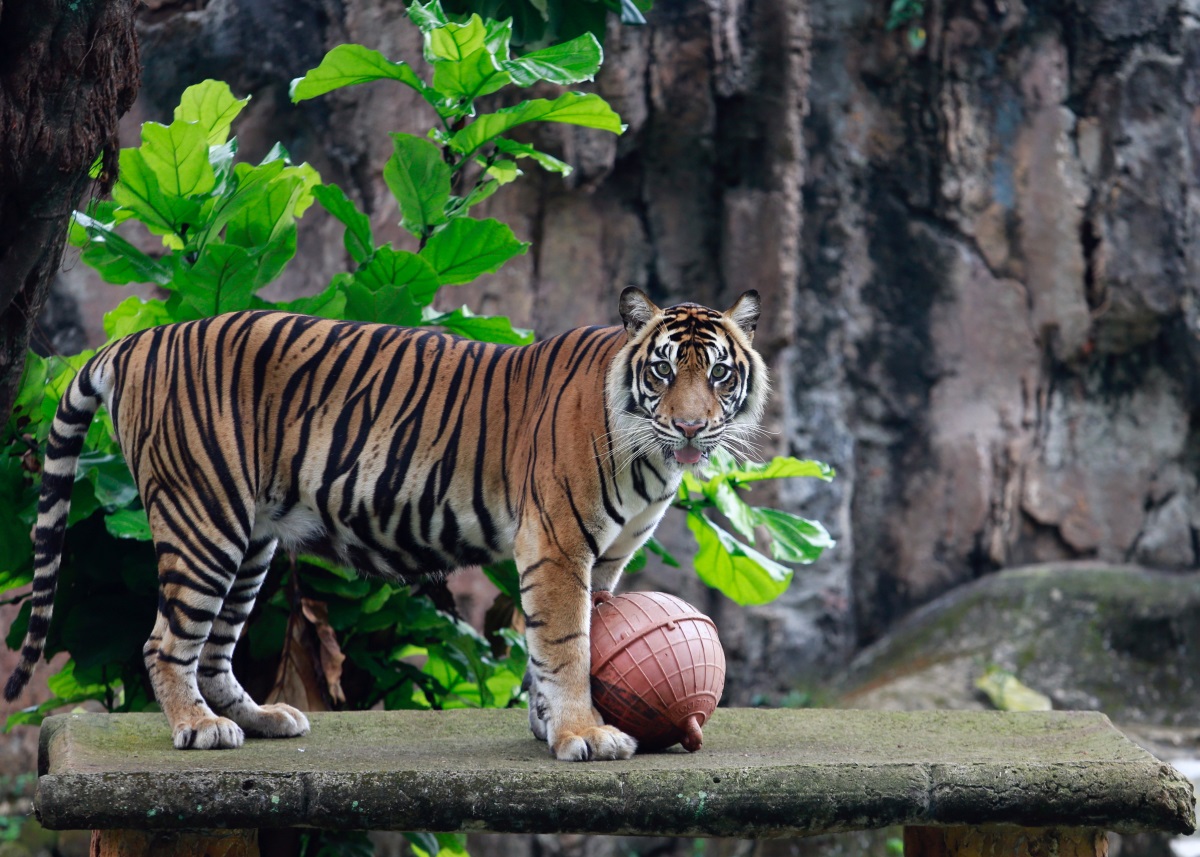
(687, 455)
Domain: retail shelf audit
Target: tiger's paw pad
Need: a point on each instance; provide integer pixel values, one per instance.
(277, 720)
(595, 744)
(208, 733)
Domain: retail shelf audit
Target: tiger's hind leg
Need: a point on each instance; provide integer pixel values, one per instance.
(198, 563)
(215, 676)
(186, 610)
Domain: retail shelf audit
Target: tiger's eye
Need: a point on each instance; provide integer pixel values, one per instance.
(662, 369)
(719, 372)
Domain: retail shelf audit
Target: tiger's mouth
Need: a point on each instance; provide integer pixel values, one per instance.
(688, 454)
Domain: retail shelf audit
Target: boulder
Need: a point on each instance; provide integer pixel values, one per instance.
(1119, 639)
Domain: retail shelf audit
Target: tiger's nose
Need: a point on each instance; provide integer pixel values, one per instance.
(690, 428)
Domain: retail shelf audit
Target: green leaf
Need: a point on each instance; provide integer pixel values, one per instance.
(16, 632)
(524, 150)
(429, 16)
(32, 389)
(16, 550)
(466, 248)
(425, 844)
(631, 12)
(504, 171)
(499, 37)
(386, 288)
(794, 539)
(485, 328)
(138, 190)
(329, 303)
(398, 269)
(128, 524)
(419, 178)
(83, 502)
(134, 314)
(110, 477)
(458, 205)
(455, 42)
(238, 191)
(475, 76)
(734, 508)
(261, 224)
(736, 569)
(116, 260)
(309, 179)
(360, 244)
(374, 602)
(506, 578)
(221, 157)
(572, 108)
(64, 685)
(347, 65)
(178, 155)
(571, 62)
(782, 467)
(222, 280)
(213, 107)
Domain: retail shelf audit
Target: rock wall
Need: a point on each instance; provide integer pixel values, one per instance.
(977, 256)
(998, 286)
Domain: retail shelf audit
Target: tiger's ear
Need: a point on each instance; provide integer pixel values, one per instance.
(636, 310)
(744, 312)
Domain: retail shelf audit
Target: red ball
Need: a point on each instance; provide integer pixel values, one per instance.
(658, 668)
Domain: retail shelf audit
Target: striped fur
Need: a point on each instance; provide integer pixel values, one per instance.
(402, 453)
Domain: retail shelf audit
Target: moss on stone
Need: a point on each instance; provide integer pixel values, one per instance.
(760, 773)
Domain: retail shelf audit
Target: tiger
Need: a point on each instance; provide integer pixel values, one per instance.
(404, 453)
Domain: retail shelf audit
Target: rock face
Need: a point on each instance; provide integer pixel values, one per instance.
(1118, 639)
(978, 257)
(999, 247)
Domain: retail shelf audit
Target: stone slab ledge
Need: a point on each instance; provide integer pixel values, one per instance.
(761, 773)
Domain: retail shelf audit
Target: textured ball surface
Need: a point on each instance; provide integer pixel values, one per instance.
(658, 668)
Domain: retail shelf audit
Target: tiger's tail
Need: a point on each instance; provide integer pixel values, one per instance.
(67, 433)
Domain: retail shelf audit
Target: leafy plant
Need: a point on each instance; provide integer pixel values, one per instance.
(735, 567)
(226, 228)
(908, 14)
(537, 23)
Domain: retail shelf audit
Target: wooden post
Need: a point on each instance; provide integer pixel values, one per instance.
(174, 843)
(1002, 840)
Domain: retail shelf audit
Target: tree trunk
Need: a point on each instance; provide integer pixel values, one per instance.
(68, 70)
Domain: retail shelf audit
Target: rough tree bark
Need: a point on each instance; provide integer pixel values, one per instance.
(68, 71)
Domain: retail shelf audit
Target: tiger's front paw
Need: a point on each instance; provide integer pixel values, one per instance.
(208, 733)
(594, 743)
(275, 720)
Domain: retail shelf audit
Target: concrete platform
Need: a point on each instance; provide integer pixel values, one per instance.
(761, 773)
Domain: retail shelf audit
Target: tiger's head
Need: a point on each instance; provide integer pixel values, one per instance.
(687, 381)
